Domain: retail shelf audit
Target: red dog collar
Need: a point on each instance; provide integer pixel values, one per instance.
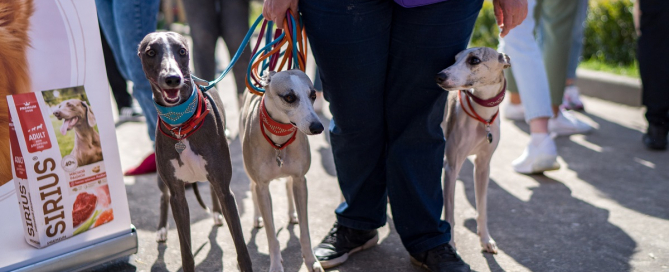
(489, 103)
(274, 127)
(191, 125)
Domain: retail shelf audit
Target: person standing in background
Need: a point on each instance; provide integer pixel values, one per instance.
(119, 86)
(210, 19)
(652, 22)
(125, 23)
(571, 99)
(527, 79)
(555, 21)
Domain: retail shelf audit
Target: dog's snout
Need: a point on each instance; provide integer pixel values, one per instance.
(57, 114)
(441, 77)
(173, 80)
(316, 128)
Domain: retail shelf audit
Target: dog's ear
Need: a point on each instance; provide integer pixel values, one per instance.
(267, 78)
(90, 118)
(504, 59)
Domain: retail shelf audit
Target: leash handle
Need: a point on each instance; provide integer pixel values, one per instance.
(293, 37)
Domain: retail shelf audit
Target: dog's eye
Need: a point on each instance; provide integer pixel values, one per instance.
(151, 53)
(312, 95)
(474, 60)
(182, 52)
(290, 98)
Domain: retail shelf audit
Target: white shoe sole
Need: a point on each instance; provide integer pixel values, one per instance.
(342, 259)
(539, 167)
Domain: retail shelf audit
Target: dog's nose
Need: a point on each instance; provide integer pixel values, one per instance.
(316, 128)
(173, 81)
(441, 77)
(56, 113)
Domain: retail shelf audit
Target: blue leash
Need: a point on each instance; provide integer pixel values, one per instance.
(263, 50)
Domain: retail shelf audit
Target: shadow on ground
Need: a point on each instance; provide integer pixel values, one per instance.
(553, 231)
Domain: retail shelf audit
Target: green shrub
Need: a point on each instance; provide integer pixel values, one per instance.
(609, 33)
(485, 30)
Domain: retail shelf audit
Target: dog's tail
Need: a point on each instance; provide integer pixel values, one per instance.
(199, 198)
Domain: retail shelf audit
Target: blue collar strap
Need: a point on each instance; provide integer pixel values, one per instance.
(178, 114)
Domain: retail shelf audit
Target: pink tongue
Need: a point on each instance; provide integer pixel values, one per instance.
(67, 125)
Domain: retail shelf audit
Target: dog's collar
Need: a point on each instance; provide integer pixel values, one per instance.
(179, 114)
(189, 126)
(274, 127)
(489, 103)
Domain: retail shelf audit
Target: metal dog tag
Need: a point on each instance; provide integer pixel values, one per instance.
(489, 136)
(180, 146)
(279, 161)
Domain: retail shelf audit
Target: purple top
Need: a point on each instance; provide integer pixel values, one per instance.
(416, 3)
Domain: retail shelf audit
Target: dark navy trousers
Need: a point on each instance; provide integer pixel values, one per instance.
(378, 61)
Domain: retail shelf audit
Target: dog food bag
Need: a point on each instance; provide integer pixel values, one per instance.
(57, 163)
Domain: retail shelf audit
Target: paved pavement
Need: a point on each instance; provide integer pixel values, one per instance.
(606, 209)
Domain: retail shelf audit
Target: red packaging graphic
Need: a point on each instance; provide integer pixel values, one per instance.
(59, 170)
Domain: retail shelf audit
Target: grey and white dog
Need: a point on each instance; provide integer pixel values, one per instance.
(288, 99)
(206, 156)
(479, 71)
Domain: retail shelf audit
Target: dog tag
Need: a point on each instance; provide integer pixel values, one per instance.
(279, 161)
(489, 136)
(180, 146)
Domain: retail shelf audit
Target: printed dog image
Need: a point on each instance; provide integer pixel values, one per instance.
(73, 111)
(14, 78)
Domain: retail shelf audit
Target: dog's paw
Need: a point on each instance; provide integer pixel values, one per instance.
(276, 268)
(489, 245)
(218, 218)
(293, 218)
(161, 235)
(258, 223)
(315, 267)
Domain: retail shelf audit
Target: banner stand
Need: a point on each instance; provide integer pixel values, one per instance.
(90, 256)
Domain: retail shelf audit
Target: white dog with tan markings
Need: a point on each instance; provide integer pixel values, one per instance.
(476, 87)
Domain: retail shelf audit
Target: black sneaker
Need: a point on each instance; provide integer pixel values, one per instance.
(341, 242)
(656, 137)
(443, 258)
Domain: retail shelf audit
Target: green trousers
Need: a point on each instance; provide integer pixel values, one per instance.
(555, 21)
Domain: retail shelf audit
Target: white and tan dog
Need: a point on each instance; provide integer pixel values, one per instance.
(477, 85)
(274, 131)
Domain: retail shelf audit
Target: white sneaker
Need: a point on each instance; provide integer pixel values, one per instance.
(566, 124)
(514, 112)
(571, 99)
(537, 158)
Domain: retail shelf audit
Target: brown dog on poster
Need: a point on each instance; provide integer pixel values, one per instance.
(14, 78)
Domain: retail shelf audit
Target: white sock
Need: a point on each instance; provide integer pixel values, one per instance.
(537, 138)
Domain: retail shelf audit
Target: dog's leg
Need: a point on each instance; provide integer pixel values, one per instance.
(451, 169)
(161, 234)
(182, 219)
(301, 197)
(217, 215)
(231, 214)
(292, 215)
(265, 206)
(257, 217)
(481, 179)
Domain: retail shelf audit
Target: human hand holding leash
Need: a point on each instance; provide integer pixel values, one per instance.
(509, 14)
(275, 10)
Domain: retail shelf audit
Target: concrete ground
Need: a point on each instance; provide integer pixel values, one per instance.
(606, 209)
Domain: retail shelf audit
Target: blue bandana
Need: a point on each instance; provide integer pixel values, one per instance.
(177, 115)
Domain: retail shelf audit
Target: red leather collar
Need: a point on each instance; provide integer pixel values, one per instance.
(189, 127)
(489, 103)
(274, 127)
